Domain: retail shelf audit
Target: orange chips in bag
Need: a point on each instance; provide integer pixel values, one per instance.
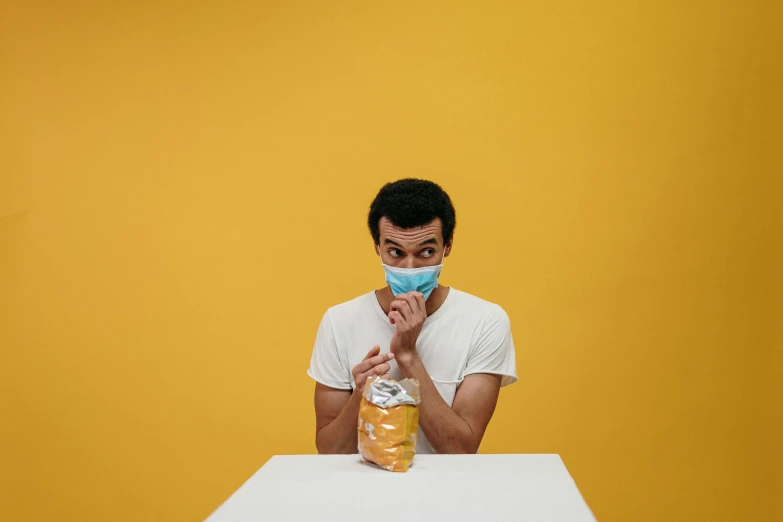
(388, 422)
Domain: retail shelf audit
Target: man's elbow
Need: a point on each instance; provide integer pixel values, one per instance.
(323, 447)
(320, 445)
(332, 447)
(471, 448)
(456, 446)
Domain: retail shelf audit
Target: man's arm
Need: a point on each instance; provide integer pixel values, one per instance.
(458, 429)
(337, 411)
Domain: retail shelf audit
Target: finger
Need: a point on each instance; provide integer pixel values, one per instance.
(394, 309)
(402, 307)
(413, 303)
(396, 318)
(402, 304)
(372, 362)
(381, 369)
(386, 377)
(372, 353)
(420, 301)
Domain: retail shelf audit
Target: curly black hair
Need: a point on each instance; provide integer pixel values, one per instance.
(410, 203)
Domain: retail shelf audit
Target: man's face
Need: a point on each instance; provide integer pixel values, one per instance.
(412, 247)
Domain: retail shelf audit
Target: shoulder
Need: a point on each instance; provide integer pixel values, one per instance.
(352, 309)
(491, 313)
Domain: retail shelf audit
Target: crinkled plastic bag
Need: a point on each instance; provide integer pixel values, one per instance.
(388, 422)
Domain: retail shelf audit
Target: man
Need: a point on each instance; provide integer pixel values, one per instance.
(458, 347)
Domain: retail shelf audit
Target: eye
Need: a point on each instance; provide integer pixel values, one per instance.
(395, 252)
(428, 253)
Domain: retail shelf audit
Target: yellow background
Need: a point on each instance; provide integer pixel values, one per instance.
(183, 193)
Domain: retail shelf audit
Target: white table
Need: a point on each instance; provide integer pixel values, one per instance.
(451, 488)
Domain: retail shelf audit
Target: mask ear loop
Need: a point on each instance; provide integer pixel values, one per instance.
(442, 259)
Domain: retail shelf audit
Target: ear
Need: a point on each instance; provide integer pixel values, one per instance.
(447, 248)
(378, 250)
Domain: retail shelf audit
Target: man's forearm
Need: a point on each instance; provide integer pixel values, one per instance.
(340, 435)
(445, 430)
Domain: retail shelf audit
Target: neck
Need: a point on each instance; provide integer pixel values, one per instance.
(435, 301)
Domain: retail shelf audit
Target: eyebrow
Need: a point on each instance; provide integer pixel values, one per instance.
(430, 241)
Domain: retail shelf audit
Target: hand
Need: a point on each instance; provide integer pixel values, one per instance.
(408, 312)
(373, 364)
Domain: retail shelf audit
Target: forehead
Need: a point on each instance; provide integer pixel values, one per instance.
(410, 236)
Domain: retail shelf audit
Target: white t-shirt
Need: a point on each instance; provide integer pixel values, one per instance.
(465, 335)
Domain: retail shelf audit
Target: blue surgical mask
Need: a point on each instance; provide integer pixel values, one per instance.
(404, 280)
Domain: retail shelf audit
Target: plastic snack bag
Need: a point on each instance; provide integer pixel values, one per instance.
(388, 422)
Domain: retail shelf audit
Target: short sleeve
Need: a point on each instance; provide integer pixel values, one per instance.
(493, 351)
(325, 365)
